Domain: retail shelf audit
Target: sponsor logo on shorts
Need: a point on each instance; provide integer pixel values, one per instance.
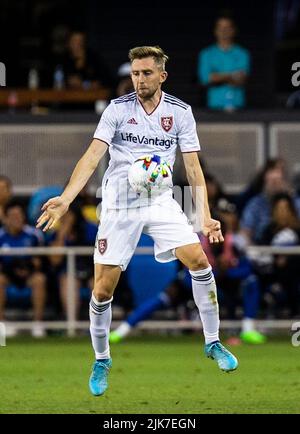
(166, 122)
(102, 245)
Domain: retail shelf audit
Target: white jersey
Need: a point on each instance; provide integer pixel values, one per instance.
(130, 132)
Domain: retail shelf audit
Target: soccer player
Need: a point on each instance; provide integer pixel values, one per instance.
(147, 121)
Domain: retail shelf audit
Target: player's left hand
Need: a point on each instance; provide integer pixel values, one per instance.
(212, 230)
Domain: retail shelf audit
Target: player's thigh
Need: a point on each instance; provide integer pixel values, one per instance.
(170, 229)
(192, 256)
(117, 237)
(106, 278)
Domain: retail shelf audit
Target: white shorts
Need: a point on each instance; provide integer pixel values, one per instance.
(120, 231)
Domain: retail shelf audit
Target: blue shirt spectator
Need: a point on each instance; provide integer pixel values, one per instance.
(223, 67)
(214, 59)
(257, 213)
(22, 277)
(28, 237)
(16, 233)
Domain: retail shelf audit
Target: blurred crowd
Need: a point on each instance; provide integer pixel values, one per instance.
(250, 286)
(223, 67)
(73, 65)
(222, 72)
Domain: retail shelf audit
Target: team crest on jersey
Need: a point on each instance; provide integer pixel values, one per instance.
(102, 245)
(166, 122)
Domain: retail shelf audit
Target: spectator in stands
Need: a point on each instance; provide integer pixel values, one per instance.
(83, 69)
(224, 67)
(125, 83)
(5, 195)
(284, 230)
(74, 230)
(21, 277)
(256, 184)
(257, 213)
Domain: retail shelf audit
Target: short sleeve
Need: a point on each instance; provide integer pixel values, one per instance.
(106, 128)
(187, 136)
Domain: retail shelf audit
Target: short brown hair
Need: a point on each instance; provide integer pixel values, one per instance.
(147, 51)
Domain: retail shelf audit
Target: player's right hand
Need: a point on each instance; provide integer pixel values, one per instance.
(212, 230)
(53, 210)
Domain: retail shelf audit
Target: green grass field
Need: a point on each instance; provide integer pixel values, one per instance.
(149, 375)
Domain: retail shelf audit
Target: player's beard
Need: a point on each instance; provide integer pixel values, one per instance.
(146, 94)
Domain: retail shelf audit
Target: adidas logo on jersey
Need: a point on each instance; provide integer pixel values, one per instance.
(132, 121)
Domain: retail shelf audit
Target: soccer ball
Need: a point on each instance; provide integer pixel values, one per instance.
(150, 174)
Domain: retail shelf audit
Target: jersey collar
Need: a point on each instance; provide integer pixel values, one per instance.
(160, 100)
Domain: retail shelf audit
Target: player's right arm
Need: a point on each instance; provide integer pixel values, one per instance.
(56, 207)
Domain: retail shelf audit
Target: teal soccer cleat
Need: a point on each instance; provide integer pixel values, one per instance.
(98, 380)
(215, 350)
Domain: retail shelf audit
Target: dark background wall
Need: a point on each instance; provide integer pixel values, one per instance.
(182, 31)
(114, 27)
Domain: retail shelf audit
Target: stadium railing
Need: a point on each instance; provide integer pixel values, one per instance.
(71, 325)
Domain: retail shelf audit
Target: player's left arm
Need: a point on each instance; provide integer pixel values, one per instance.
(211, 227)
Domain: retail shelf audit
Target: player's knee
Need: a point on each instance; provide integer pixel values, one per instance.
(200, 262)
(102, 290)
